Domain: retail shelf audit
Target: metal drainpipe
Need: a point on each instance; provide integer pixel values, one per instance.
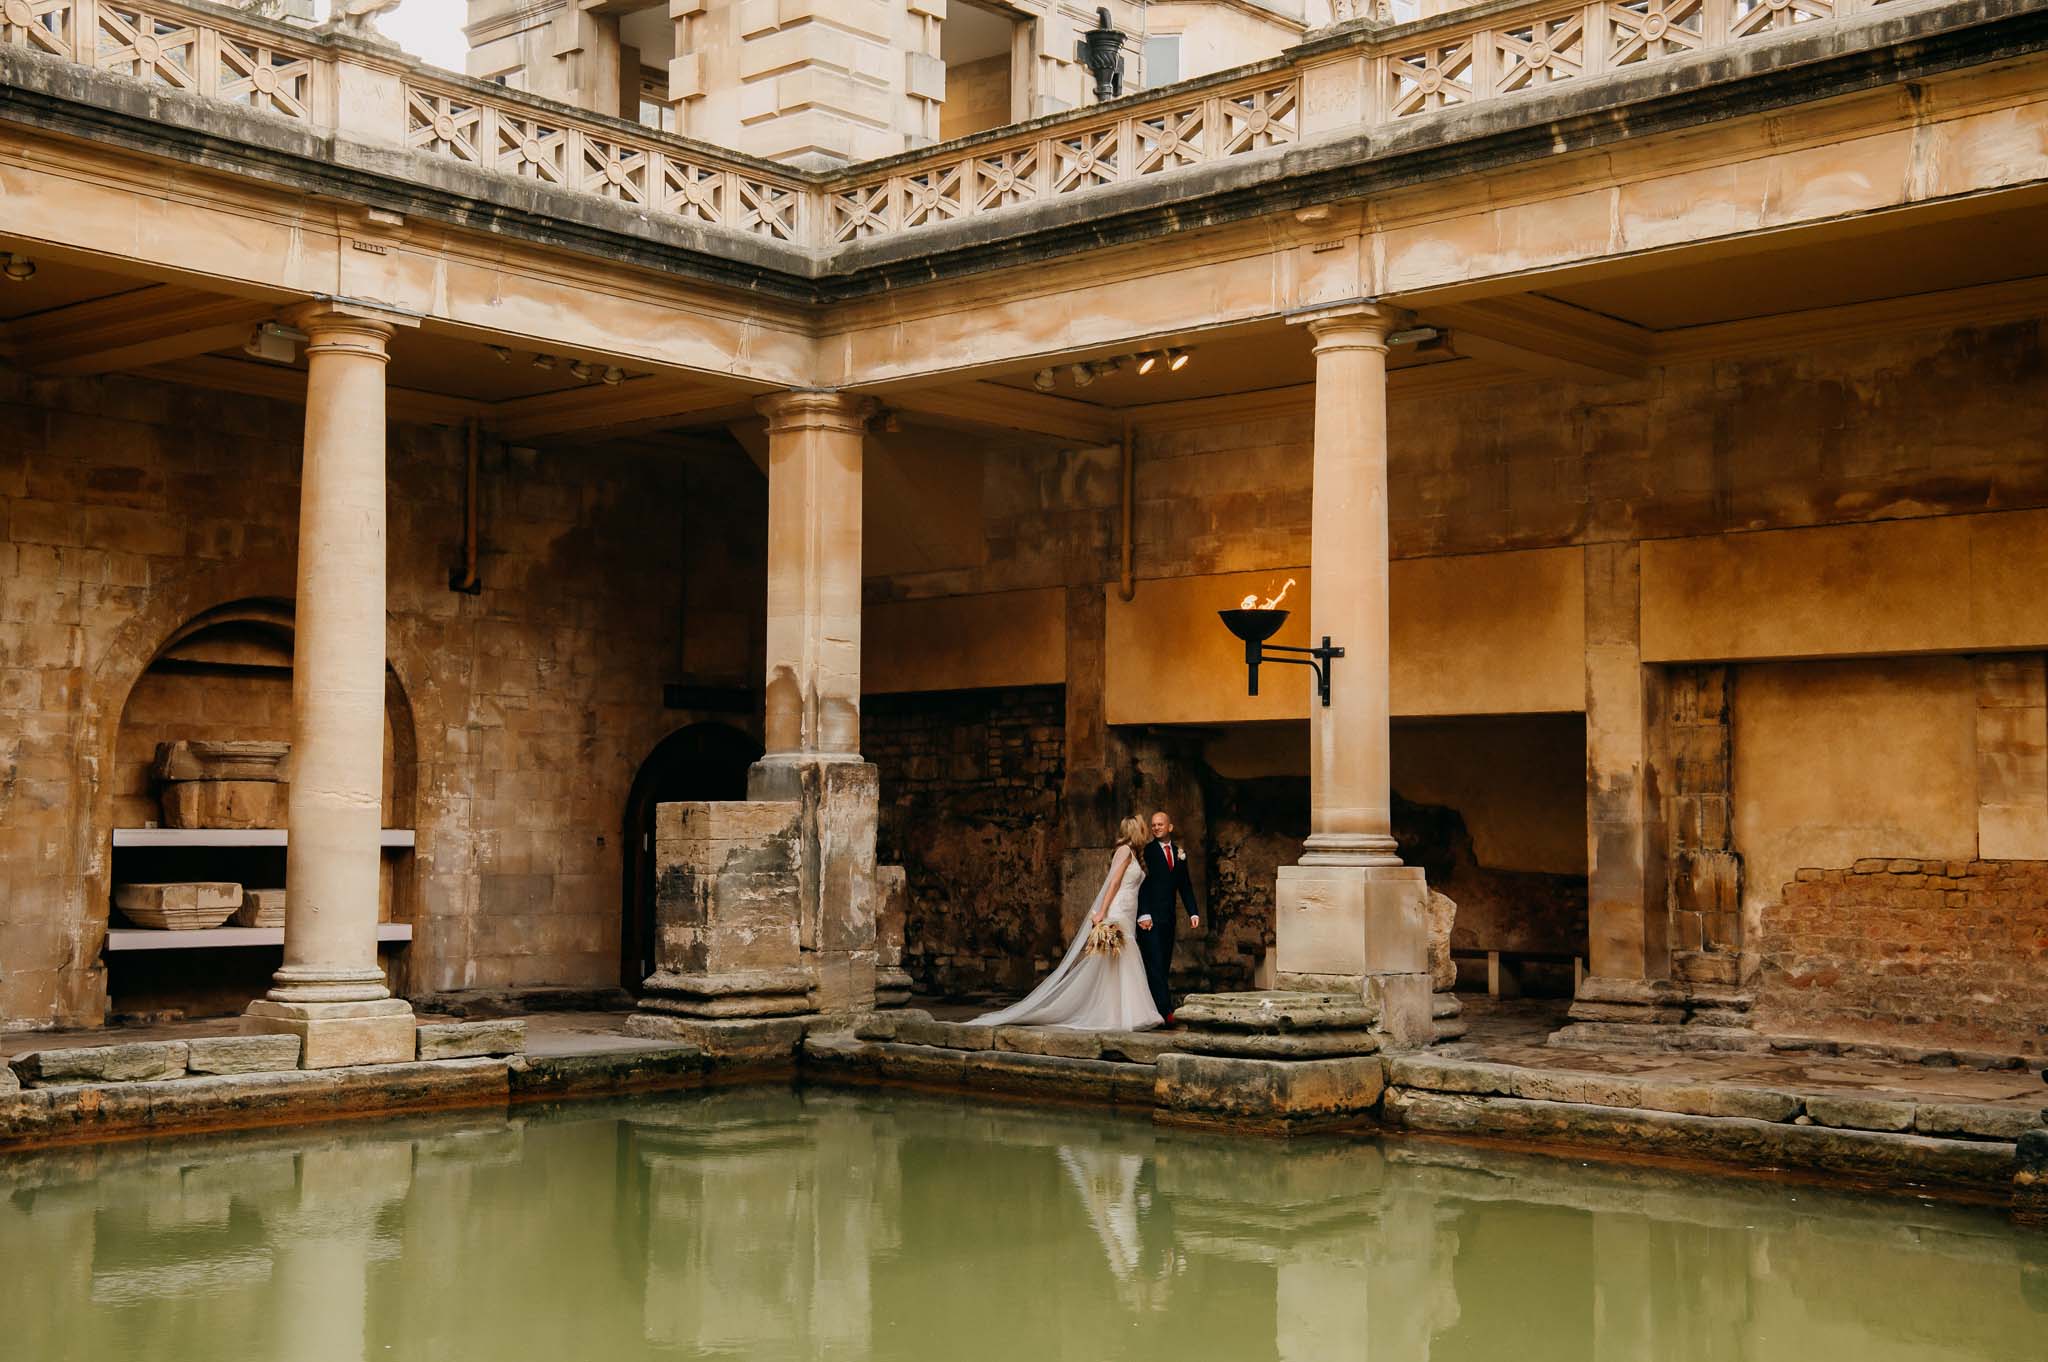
(1127, 586)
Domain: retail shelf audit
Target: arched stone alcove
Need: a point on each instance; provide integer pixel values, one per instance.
(224, 673)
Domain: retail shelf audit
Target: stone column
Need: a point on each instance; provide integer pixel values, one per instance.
(816, 443)
(330, 990)
(1351, 917)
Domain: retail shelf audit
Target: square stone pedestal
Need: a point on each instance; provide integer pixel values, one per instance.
(1359, 929)
(338, 1035)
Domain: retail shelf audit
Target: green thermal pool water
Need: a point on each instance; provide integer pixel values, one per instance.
(767, 1224)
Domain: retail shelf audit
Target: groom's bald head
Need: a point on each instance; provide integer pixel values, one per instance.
(1162, 826)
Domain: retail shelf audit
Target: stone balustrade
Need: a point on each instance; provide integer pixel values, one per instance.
(1363, 74)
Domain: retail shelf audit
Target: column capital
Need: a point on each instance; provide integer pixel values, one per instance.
(817, 409)
(354, 328)
(1350, 325)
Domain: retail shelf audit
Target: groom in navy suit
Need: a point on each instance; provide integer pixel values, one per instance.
(1166, 877)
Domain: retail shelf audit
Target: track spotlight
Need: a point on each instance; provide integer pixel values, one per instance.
(504, 356)
(20, 268)
(1082, 374)
(581, 370)
(543, 361)
(1149, 361)
(1044, 380)
(275, 342)
(613, 375)
(1177, 360)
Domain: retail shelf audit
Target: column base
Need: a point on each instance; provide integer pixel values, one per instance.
(729, 994)
(339, 1035)
(1359, 929)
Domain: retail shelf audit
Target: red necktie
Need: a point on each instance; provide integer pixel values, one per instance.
(1169, 855)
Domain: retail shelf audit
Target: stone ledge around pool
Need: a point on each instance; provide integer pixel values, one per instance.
(1955, 1145)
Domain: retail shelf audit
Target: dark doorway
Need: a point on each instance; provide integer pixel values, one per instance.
(703, 761)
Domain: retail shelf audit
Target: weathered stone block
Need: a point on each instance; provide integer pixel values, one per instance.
(946, 1035)
(466, 1040)
(137, 1062)
(1443, 970)
(1267, 1092)
(735, 993)
(339, 1035)
(1140, 1047)
(765, 1039)
(1049, 1040)
(261, 908)
(239, 760)
(1859, 1113)
(1352, 921)
(1976, 1120)
(892, 910)
(223, 804)
(1282, 1045)
(1433, 1074)
(1553, 1085)
(1277, 1011)
(191, 906)
(242, 1054)
(882, 1025)
(1754, 1104)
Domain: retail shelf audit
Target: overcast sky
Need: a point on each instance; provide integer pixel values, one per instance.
(429, 29)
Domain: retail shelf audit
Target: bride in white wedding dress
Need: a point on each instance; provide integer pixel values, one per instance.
(1097, 990)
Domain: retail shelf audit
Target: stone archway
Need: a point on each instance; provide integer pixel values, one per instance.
(706, 761)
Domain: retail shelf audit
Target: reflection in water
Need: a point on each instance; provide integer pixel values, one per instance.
(772, 1225)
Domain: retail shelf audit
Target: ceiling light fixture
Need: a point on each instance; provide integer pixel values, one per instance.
(543, 361)
(581, 370)
(1177, 360)
(1045, 380)
(1149, 361)
(274, 341)
(20, 268)
(504, 355)
(1413, 336)
(613, 375)
(1082, 375)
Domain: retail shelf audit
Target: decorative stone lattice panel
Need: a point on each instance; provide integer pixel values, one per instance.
(266, 78)
(147, 46)
(39, 25)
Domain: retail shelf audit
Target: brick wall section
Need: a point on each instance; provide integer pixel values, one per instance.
(1929, 952)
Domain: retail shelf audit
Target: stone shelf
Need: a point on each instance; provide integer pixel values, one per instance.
(219, 938)
(232, 837)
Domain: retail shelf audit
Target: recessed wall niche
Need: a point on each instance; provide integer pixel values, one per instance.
(227, 676)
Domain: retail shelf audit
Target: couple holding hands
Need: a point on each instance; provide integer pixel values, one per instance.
(1114, 974)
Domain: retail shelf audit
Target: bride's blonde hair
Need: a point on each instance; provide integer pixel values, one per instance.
(1132, 833)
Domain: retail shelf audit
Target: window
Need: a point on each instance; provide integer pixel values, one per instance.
(1162, 59)
(655, 109)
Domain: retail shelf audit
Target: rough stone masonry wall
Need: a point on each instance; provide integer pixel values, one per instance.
(970, 810)
(1954, 952)
(127, 507)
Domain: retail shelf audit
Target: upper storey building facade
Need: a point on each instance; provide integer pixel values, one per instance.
(1646, 396)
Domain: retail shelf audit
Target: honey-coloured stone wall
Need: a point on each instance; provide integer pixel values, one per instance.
(129, 508)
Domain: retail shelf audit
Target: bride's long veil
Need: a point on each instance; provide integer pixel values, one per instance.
(1076, 949)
